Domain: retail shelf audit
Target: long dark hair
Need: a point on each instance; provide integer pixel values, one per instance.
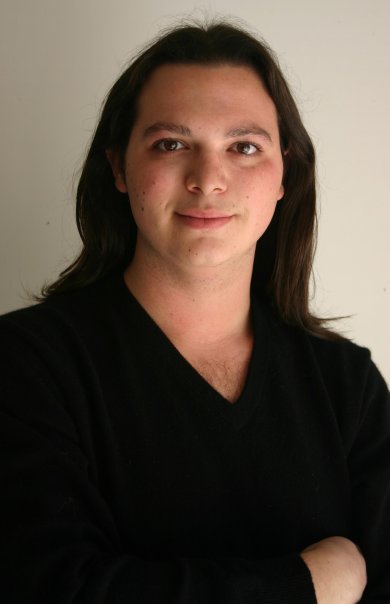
(284, 254)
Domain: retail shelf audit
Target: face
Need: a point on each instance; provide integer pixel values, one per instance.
(203, 167)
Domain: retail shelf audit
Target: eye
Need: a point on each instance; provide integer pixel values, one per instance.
(168, 145)
(245, 148)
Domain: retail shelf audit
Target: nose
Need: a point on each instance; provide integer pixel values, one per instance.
(206, 174)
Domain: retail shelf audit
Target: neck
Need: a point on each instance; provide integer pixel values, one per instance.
(204, 306)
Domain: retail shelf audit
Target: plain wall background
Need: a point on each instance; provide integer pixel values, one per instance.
(58, 59)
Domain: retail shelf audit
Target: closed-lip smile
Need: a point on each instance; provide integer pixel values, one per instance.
(204, 219)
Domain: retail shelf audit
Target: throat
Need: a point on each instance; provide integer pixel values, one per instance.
(210, 326)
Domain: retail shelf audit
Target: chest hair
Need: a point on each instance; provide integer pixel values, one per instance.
(226, 373)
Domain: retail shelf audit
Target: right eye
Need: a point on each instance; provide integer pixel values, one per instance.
(168, 145)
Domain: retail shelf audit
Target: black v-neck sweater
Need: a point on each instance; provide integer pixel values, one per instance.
(127, 478)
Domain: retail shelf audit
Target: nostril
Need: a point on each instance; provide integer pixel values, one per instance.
(207, 181)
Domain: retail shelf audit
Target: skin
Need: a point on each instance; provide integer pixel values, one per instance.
(338, 570)
(203, 171)
(202, 196)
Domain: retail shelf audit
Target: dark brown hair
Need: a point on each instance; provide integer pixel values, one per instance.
(284, 254)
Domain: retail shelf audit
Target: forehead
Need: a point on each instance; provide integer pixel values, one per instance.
(205, 91)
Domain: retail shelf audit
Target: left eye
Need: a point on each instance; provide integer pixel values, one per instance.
(168, 144)
(245, 148)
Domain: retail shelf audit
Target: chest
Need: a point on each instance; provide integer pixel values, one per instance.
(227, 374)
(195, 474)
(223, 367)
(197, 479)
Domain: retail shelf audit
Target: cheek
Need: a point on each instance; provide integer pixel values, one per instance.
(148, 190)
(263, 217)
(264, 178)
(262, 198)
(141, 194)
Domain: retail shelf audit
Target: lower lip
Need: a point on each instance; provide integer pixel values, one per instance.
(204, 223)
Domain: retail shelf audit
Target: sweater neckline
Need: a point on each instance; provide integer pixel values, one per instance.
(238, 413)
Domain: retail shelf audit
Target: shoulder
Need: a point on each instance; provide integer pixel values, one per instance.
(52, 355)
(337, 357)
(66, 335)
(339, 371)
(65, 313)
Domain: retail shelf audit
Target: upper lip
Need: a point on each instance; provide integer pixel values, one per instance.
(205, 214)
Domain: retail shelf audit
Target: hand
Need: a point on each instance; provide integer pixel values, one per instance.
(338, 570)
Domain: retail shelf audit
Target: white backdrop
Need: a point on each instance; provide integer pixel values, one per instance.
(58, 59)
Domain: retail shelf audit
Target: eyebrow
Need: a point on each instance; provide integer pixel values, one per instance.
(248, 130)
(252, 129)
(169, 127)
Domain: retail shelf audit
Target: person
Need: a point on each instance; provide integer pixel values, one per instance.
(177, 425)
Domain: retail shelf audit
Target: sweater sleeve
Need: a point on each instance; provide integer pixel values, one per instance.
(369, 463)
(59, 540)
